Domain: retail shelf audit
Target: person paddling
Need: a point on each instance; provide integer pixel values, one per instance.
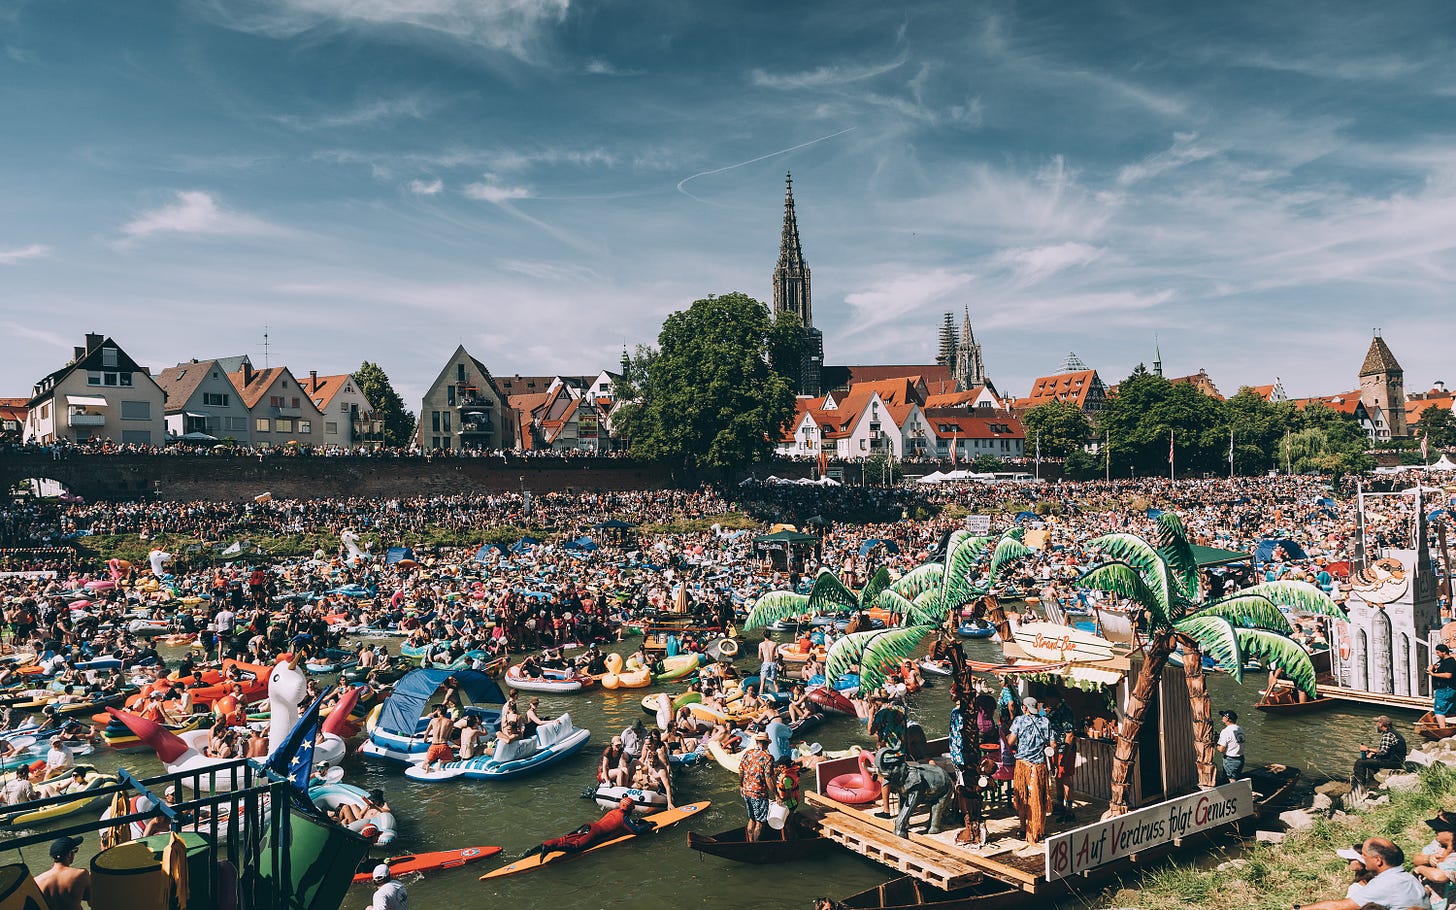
(613, 824)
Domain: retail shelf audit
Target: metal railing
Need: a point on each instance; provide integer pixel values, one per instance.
(240, 809)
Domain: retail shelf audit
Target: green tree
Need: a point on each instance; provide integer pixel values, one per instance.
(1062, 426)
(710, 399)
(1439, 424)
(1147, 410)
(786, 343)
(1258, 431)
(399, 422)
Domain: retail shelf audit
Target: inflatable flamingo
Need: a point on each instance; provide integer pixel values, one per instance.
(857, 788)
(332, 732)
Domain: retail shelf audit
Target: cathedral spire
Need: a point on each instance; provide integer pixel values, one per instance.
(970, 369)
(1157, 357)
(791, 277)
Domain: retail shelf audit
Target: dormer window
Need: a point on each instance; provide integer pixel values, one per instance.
(108, 357)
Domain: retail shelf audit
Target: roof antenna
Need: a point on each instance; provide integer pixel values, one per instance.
(266, 365)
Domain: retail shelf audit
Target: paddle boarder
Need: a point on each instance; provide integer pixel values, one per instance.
(615, 823)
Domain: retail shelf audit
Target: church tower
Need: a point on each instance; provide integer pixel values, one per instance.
(970, 370)
(791, 294)
(947, 355)
(1382, 386)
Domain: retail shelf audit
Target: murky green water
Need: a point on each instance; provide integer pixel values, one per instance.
(660, 871)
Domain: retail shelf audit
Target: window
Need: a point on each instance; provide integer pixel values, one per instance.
(434, 442)
(459, 372)
(262, 425)
(93, 378)
(283, 425)
(295, 402)
(435, 423)
(108, 379)
(445, 423)
(236, 423)
(136, 437)
(305, 426)
(450, 395)
(215, 399)
(863, 445)
(125, 380)
(343, 407)
(108, 357)
(275, 401)
(331, 427)
(444, 442)
(136, 410)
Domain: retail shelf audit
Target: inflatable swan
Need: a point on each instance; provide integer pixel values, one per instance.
(287, 687)
(350, 540)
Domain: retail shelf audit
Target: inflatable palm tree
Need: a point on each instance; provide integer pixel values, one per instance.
(1162, 583)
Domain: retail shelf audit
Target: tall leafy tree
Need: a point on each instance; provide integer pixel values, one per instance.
(1062, 426)
(399, 421)
(1440, 425)
(1161, 581)
(711, 399)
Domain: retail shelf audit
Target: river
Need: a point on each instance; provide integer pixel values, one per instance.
(660, 872)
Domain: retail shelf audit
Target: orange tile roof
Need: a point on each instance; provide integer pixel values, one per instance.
(958, 425)
(1073, 387)
(14, 408)
(1418, 407)
(251, 393)
(328, 386)
(900, 390)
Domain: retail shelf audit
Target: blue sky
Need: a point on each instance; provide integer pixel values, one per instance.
(1258, 185)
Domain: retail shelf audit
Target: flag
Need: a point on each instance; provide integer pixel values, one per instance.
(1038, 448)
(1170, 446)
(294, 758)
(1231, 445)
(1425, 445)
(235, 549)
(823, 461)
(955, 440)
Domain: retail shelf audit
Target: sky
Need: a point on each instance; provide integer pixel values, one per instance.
(1255, 186)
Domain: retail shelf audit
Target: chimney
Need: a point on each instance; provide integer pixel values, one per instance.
(247, 373)
(93, 341)
(78, 352)
(313, 380)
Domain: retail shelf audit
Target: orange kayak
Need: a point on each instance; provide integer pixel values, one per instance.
(428, 862)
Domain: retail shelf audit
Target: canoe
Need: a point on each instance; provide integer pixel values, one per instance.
(660, 820)
(429, 862)
(1273, 785)
(1428, 729)
(559, 682)
(907, 893)
(1283, 700)
(735, 845)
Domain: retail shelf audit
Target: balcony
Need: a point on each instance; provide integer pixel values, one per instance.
(474, 403)
(477, 428)
(86, 420)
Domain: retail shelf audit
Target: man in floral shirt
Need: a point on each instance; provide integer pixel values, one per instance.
(756, 783)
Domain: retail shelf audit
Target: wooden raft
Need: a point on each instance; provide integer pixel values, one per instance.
(1376, 699)
(884, 847)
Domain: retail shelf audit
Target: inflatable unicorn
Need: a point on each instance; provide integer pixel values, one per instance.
(159, 558)
(287, 688)
(350, 540)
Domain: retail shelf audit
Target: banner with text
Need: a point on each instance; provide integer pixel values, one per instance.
(1074, 852)
(978, 524)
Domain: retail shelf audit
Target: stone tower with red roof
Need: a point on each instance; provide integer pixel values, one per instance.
(1382, 386)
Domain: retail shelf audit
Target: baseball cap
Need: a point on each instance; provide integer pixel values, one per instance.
(1029, 702)
(381, 873)
(63, 845)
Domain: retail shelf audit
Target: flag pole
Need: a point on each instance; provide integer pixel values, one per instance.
(1231, 452)
(1038, 454)
(1107, 457)
(1172, 469)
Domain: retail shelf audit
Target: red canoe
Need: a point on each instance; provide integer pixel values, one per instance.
(426, 862)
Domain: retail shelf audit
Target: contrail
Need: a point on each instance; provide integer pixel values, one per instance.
(719, 170)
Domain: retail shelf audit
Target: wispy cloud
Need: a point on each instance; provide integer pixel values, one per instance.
(890, 300)
(30, 332)
(197, 213)
(599, 67)
(1035, 264)
(23, 253)
(824, 76)
(380, 110)
(511, 26)
(426, 187)
(490, 190)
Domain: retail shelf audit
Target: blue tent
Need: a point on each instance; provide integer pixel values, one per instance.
(395, 554)
(889, 545)
(1264, 552)
(403, 709)
(1026, 516)
(484, 551)
(1325, 501)
(524, 544)
(1154, 513)
(581, 543)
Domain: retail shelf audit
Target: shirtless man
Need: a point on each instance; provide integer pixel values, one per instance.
(64, 887)
(439, 732)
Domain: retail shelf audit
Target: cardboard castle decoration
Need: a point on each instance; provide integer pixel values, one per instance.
(1394, 622)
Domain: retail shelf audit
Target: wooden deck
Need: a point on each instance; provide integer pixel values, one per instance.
(1420, 703)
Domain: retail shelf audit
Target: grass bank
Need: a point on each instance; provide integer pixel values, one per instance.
(1302, 869)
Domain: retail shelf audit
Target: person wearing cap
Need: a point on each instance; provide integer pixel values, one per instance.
(1031, 736)
(1231, 744)
(388, 893)
(1443, 683)
(1390, 754)
(64, 887)
(755, 783)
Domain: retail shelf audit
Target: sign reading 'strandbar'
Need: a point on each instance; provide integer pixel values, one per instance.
(1076, 851)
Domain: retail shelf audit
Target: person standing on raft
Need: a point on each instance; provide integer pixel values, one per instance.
(615, 823)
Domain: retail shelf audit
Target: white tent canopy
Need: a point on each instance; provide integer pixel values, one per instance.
(1443, 464)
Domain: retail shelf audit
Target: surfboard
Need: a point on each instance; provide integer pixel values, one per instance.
(659, 819)
(427, 862)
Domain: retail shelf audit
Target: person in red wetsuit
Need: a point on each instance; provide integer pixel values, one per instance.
(615, 823)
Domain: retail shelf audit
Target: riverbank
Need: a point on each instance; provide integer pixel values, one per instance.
(1303, 867)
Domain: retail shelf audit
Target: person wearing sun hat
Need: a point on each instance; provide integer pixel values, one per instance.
(388, 893)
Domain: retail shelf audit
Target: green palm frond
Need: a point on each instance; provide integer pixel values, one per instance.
(1008, 550)
(885, 651)
(894, 603)
(878, 582)
(1276, 650)
(1217, 638)
(929, 608)
(831, 594)
(844, 654)
(1016, 533)
(1125, 581)
(918, 580)
(1300, 596)
(1138, 553)
(951, 542)
(1177, 554)
(774, 606)
(961, 562)
(1249, 610)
